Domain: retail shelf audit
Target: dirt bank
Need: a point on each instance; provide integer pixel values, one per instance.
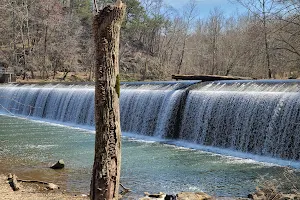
(31, 191)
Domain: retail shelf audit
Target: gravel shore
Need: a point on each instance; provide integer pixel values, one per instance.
(31, 191)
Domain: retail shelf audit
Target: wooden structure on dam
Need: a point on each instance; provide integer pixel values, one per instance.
(204, 78)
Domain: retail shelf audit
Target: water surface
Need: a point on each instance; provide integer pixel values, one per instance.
(28, 147)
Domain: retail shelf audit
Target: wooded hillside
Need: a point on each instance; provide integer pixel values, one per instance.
(51, 39)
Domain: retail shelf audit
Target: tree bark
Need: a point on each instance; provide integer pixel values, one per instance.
(107, 160)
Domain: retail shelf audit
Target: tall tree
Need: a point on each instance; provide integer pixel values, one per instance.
(214, 26)
(189, 18)
(262, 9)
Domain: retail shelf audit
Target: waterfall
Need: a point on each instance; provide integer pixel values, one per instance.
(151, 110)
(261, 118)
(72, 104)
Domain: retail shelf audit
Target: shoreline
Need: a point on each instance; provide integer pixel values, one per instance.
(32, 191)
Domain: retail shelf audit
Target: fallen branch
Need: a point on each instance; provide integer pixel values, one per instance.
(50, 186)
(125, 190)
(13, 181)
(32, 181)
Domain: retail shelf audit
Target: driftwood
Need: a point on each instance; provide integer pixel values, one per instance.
(50, 186)
(13, 181)
(208, 77)
(125, 190)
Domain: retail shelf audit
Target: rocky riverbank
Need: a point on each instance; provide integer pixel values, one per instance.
(34, 191)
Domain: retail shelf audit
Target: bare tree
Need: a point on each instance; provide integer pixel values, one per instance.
(214, 26)
(288, 35)
(262, 9)
(189, 18)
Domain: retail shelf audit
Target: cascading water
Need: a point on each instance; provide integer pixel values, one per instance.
(151, 110)
(60, 103)
(254, 117)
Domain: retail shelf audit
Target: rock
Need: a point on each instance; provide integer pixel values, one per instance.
(148, 196)
(51, 186)
(193, 196)
(278, 196)
(290, 196)
(257, 197)
(294, 191)
(159, 195)
(170, 197)
(266, 193)
(59, 165)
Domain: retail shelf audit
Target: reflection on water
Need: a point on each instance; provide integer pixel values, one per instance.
(28, 147)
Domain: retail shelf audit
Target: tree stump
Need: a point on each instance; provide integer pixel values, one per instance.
(12, 179)
(107, 161)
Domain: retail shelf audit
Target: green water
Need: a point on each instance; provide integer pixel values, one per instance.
(28, 147)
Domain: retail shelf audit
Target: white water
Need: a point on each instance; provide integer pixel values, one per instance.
(258, 119)
(60, 103)
(261, 119)
(150, 110)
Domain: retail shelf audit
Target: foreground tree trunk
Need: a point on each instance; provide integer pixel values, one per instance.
(106, 170)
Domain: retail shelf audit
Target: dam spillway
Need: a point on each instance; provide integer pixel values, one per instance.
(260, 118)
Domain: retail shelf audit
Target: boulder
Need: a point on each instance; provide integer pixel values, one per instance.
(170, 197)
(59, 165)
(266, 192)
(51, 186)
(193, 196)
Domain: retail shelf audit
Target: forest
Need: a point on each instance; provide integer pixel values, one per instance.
(52, 39)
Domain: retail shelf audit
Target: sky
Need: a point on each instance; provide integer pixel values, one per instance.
(205, 6)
